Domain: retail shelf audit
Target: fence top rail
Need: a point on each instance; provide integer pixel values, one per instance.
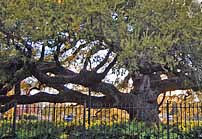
(179, 105)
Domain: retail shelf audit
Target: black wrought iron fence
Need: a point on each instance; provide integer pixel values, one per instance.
(69, 121)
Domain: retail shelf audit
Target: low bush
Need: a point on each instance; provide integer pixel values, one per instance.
(31, 129)
(124, 131)
(195, 133)
(34, 129)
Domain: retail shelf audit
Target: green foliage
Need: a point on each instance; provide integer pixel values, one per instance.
(41, 19)
(124, 131)
(194, 133)
(162, 31)
(29, 117)
(140, 31)
(32, 129)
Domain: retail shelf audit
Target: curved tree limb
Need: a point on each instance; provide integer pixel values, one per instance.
(69, 96)
(104, 60)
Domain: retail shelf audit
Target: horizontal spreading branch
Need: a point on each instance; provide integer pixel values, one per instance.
(51, 67)
(151, 68)
(8, 106)
(63, 76)
(159, 86)
(44, 78)
(71, 97)
(173, 83)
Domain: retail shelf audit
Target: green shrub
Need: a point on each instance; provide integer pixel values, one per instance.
(30, 117)
(124, 131)
(195, 133)
(33, 129)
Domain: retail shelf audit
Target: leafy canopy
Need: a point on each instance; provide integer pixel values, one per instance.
(140, 32)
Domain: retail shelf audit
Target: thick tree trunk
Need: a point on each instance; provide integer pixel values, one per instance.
(145, 98)
(147, 113)
(139, 108)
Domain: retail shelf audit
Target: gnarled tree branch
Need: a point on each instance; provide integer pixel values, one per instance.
(104, 60)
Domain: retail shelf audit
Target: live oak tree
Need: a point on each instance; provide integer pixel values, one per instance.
(65, 42)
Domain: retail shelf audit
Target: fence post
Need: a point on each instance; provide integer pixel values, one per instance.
(53, 113)
(89, 106)
(84, 121)
(14, 120)
(167, 116)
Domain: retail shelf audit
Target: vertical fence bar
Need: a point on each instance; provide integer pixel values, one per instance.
(94, 118)
(41, 122)
(72, 115)
(29, 120)
(53, 113)
(22, 116)
(38, 118)
(76, 116)
(109, 115)
(89, 106)
(185, 115)
(124, 126)
(168, 126)
(63, 125)
(14, 120)
(84, 121)
(1, 121)
(181, 115)
(163, 106)
(177, 108)
(105, 123)
(80, 115)
(113, 119)
(129, 120)
(197, 112)
(193, 115)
